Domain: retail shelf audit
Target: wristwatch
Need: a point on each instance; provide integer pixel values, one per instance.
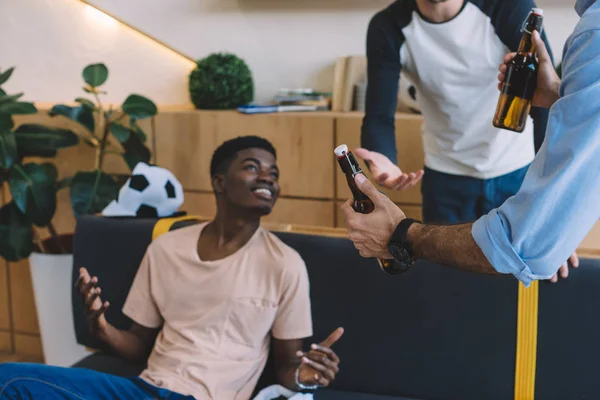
(398, 247)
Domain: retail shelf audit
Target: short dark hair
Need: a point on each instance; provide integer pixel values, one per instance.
(226, 152)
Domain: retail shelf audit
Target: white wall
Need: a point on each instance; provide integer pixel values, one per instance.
(287, 43)
(51, 41)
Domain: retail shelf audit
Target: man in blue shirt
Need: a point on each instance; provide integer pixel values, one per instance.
(533, 232)
(471, 167)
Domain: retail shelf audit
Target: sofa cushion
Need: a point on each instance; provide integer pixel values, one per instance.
(328, 394)
(109, 364)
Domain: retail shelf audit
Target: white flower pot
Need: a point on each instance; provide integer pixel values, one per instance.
(51, 278)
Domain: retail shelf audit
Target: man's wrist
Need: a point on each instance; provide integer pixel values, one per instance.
(412, 235)
(300, 385)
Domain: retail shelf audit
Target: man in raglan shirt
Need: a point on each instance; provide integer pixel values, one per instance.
(450, 51)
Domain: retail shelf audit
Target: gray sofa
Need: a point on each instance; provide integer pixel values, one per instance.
(431, 333)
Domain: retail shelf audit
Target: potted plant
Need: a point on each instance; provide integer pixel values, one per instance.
(221, 81)
(111, 131)
(32, 186)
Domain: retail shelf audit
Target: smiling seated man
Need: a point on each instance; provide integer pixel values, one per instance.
(208, 302)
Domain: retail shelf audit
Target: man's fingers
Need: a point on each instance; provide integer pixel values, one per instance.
(574, 260)
(319, 367)
(322, 359)
(418, 177)
(407, 180)
(564, 270)
(365, 186)
(382, 179)
(540, 47)
(399, 182)
(509, 57)
(321, 381)
(94, 295)
(84, 277)
(96, 314)
(326, 350)
(333, 337)
(554, 278)
(85, 290)
(362, 153)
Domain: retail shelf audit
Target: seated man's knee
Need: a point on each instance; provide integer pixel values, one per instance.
(10, 371)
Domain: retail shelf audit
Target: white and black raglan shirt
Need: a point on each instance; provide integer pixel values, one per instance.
(454, 68)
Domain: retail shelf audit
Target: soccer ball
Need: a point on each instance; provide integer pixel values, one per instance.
(407, 94)
(150, 192)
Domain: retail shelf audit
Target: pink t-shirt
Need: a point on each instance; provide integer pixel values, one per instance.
(217, 316)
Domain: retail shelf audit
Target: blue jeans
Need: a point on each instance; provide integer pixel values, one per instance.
(38, 381)
(454, 199)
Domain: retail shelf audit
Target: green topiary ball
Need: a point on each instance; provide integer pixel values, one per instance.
(221, 81)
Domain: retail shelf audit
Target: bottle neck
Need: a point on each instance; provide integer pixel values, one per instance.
(534, 22)
(349, 164)
(351, 168)
(526, 45)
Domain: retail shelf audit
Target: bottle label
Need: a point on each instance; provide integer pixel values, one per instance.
(521, 79)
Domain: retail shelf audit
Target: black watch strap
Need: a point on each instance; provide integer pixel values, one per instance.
(399, 235)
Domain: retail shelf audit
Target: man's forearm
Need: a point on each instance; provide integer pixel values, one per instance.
(287, 375)
(124, 344)
(452, 245)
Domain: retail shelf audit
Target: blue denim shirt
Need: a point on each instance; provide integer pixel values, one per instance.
(535, 231)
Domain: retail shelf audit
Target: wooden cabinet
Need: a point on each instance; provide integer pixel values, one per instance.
(186, 140)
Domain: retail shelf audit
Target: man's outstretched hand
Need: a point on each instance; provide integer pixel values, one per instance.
(386, 173)
(320, 365)
(93, 307)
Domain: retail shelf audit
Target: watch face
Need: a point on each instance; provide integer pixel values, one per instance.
(399, 253)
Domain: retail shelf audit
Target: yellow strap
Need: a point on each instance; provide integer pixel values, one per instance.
(164, 224)
(527, 324)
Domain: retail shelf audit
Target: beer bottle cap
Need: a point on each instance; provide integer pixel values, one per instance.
(537, 11)
(341, 150)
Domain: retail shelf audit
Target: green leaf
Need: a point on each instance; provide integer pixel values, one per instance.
(135, 152)
(87, 89)
(2, 92)
(82, 115)
(121, 132)
(95, 74)
(34, 192)
(91, 192)
(16, 233)
(50, 170)
(140, 133)
(5, 75)
(139, 107)
(8, 150)
(18, 107)
(42, 141)
(6, 122)
(85, 102)
(10, 98)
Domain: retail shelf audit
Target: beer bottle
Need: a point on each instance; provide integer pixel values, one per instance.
(520, 79)
(362, 203)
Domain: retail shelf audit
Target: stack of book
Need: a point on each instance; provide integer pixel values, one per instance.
(287, 100)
